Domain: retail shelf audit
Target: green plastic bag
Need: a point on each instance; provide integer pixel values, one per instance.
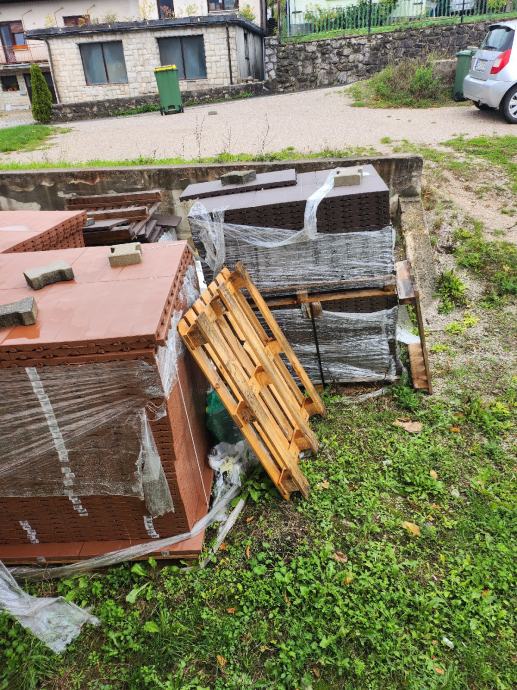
(218, 421)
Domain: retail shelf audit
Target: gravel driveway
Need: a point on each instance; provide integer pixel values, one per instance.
(307, 121)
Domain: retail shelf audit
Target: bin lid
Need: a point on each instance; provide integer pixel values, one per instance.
(468, 52)
(165, 68)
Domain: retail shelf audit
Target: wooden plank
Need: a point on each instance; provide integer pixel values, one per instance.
(330, 296)
(405, 288)
(417, 366)
(113, 200)
(106, 224)
(133, 212)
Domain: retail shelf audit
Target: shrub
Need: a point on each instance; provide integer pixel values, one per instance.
(352, 17)
(41, 96)
(247, 13)
(410, 83)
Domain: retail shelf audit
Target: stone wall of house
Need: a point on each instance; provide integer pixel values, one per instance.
(315, 64)
(87, 110)
(141, 55)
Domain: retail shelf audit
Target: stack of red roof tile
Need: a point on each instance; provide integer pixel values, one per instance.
(32, 231)
(103, 440)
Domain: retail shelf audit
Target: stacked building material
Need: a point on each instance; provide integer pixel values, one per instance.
(31, 231)
(102, 410)
(320, 247)
(127, 217)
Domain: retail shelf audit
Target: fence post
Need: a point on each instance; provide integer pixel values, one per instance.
(463, 11)
(370, 16)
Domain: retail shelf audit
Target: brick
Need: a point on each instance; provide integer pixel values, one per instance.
(125, 254)
(55, 272)
(238, 177)
(20, 313)
(348, 177)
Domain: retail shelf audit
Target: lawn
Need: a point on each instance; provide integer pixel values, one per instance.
(25, 137)
(397, 573)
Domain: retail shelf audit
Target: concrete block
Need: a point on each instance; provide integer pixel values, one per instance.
(348, 177)
(125, 254)
(55, 272)
(238, 177)
(20, 313)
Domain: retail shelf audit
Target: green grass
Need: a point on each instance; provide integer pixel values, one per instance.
(328, 593)
(408, 84)
(401, 26)
(451, 290)
(25, 137)
(492, 261)
(286, 154)
(499, 151)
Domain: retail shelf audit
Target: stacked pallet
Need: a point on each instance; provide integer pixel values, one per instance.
(31, 231)
(320, 247)
(126, 217)
(102, 411)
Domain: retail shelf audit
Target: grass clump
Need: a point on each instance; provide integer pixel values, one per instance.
(500, 151)
(410, 83)
(24, 137)
(452, 292)
(495, 262)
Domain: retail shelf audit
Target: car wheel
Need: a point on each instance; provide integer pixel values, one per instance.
(481, 106)
(509, 106)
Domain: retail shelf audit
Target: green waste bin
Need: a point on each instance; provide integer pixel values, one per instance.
(464, 58)
(169, 89)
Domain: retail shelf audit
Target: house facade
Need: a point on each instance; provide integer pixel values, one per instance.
(102, 62)
(18, 49)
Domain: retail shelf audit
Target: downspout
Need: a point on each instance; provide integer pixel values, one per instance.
(51, 65)
(229, 54)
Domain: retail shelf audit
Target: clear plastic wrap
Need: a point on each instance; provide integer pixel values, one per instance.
(53, 620)
(354, 347)
(288, 259)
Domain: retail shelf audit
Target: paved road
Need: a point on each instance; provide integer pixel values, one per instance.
(307, 121)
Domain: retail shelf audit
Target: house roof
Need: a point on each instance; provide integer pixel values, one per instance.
(149, 25)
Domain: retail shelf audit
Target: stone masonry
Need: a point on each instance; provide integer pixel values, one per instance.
(141, 55)
(314, 64)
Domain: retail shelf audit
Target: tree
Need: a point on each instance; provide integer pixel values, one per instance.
(41, 96)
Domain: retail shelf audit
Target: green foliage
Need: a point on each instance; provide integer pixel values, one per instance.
(500, 151)
(352, 17)
(24, 137)
(459, 327)
(246, 12)
(452, 291)
(495, 262)
(41, 96)
(410, 83)
(329, 593)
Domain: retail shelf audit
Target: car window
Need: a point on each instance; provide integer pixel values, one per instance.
(499, 38)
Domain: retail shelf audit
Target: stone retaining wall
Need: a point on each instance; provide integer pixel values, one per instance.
(330, 62)
(67, 112)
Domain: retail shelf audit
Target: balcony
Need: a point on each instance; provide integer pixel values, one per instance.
(28, 52)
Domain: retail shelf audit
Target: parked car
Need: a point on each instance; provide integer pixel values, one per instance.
(492, 79)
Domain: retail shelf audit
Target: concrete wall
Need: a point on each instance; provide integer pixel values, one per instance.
(141, 55)
(315, 64)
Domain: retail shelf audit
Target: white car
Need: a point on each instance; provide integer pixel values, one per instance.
(492, 79)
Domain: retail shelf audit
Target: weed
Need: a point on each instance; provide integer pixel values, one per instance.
(452, 292)
(410, 83)
(459, 327)
(499, 151)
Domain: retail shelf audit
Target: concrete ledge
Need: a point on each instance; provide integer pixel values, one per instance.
(87, 110)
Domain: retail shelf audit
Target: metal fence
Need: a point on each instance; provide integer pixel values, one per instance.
(367, 16)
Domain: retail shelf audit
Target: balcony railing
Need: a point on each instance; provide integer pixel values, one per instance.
(29, 52)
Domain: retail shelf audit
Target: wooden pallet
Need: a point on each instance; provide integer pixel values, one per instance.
(246, 367)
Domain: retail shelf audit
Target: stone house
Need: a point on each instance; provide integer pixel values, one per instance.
(103, 62)
(19, 18)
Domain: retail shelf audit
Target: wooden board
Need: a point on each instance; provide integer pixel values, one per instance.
(245, 366)
(100, 201)
(133, 212)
